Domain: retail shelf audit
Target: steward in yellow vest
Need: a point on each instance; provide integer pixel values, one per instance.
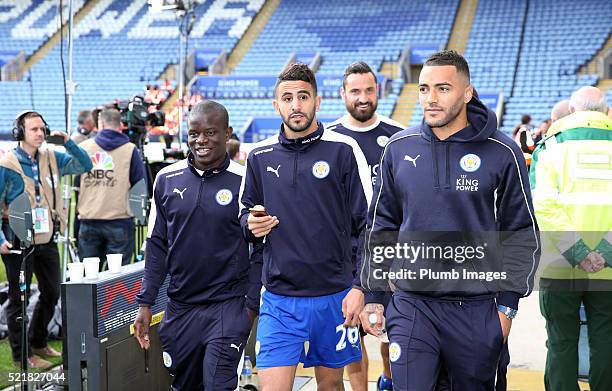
(571, 175)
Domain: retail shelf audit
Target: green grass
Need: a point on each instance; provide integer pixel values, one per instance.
(6, 361)
(6, 358)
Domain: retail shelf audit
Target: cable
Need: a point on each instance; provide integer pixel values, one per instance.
(61, 6)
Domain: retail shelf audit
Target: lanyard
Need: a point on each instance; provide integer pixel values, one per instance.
(36, 177)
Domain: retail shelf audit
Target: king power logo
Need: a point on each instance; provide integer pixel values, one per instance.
(103, 172)
(466, 184)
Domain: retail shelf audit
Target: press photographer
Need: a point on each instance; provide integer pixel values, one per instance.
(36, 170)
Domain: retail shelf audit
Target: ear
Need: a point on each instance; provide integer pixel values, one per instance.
(468, 94)
(228, 133)
(317, 103)
(275, 105)
(343, 93)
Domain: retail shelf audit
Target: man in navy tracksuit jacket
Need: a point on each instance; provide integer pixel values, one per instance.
(454, 173)
(195, 236)
(315, 186)
(371, 131)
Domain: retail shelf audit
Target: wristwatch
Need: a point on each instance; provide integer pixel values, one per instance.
(509, 312)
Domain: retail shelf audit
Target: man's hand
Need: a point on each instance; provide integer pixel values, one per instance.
(5, 247)
(351, 307)
(261, 226)
(251, 314)
(506, 324)
(372, 318)
(593, 262)
(597, 260)
(141, 326)
(63, 134)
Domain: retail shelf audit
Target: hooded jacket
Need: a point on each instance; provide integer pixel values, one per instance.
(109, 139)
(474, 181)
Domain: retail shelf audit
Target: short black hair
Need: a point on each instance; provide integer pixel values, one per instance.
(207, 107)
(297, 72)
(525, 119)
(359, 67)
(449, 57)
(83, 116)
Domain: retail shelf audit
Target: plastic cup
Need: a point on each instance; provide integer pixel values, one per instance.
(114, 262)
(75, 271)
(92, 266)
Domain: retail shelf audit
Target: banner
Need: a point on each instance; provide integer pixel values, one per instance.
(420, 53)
(257, 86)
(205, 57)
(7, 56)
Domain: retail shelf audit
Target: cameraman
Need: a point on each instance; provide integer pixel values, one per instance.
(107, 224)
(36, 170)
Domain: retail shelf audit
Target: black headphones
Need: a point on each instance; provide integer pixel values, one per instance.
(19, 127)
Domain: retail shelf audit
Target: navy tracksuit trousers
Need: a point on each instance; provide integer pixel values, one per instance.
(428, 335)
(203, 344)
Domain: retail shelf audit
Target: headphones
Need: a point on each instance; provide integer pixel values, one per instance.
(19, 126)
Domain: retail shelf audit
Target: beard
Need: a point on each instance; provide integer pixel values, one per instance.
(450, 115)
(302, 126)
(362, 116)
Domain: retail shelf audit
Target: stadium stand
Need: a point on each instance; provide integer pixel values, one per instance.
(364, 32)
(119, 47)
(492, 48)
(528, 50)
(559, 37)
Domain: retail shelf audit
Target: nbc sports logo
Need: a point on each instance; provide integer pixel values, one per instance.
(102, 161)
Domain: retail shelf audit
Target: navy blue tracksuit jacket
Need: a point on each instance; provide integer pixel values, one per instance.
(371, 140)
(195, 236)
(476, 180)
(319, 188)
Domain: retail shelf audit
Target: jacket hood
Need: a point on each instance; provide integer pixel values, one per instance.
(109, 139)
(482, 120)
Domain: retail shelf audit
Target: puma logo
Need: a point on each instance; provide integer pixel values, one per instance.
(270, 169)
(412, 160)
(236, 347)
(179, 192)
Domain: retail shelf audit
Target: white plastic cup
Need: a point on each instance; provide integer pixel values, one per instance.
(114, 262)
(92, 265)
(75, 271)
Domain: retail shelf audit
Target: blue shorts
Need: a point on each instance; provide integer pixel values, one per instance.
(286, 323)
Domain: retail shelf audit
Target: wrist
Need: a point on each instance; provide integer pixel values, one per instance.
(509, 312)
